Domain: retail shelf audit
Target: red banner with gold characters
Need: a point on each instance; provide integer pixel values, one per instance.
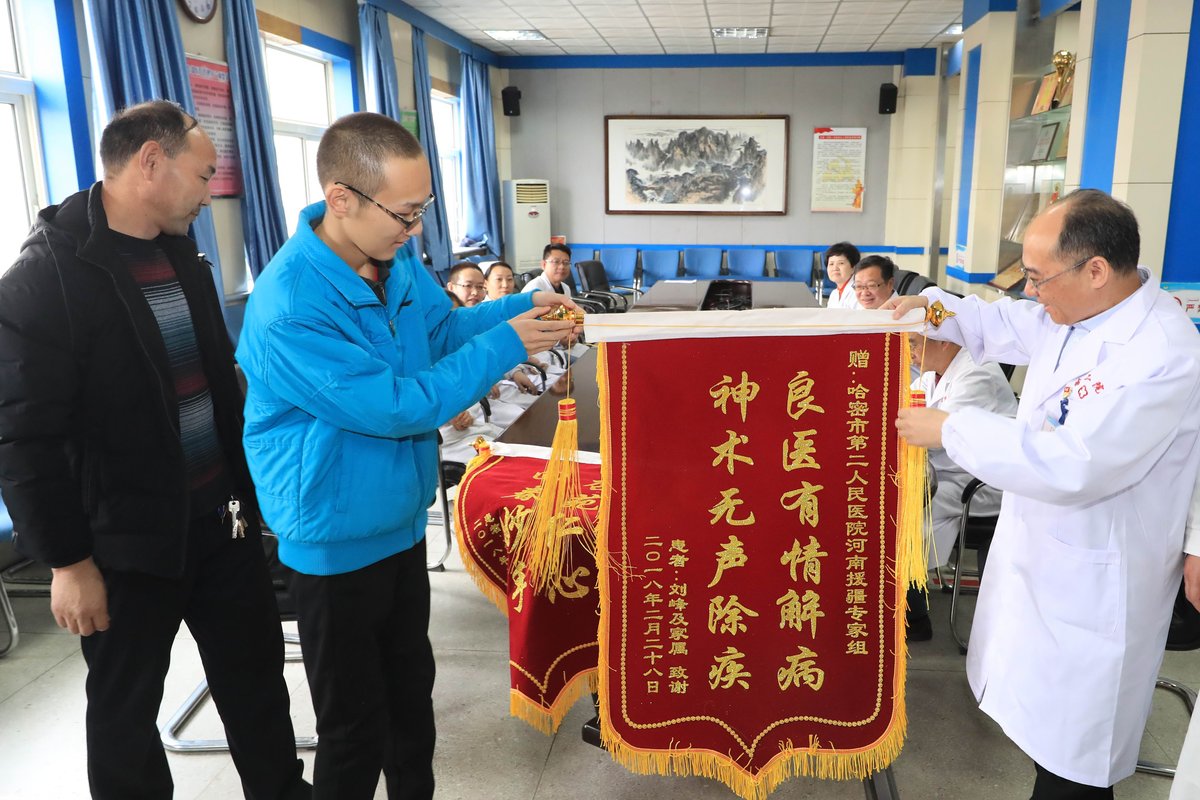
(552, 636)
(752, 621)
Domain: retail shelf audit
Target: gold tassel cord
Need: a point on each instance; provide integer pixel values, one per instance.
(545, 539)
(912, 557)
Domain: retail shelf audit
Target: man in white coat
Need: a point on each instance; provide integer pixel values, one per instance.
(1075, 603)
(556, 266)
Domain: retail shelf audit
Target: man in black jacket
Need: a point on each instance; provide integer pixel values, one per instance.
(121, 459)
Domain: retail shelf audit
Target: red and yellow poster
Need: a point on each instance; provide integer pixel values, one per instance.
(751, 616)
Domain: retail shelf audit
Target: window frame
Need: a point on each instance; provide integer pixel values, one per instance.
(308, 133)
(456, 218)
(18, 90)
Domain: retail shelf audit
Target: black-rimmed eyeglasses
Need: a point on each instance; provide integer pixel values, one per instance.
(1037, 284)
(407, 222)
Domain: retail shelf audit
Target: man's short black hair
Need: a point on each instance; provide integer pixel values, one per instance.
(356, 147)
(461, 267)
(845, 249)
(1097, 224)
(550, 248)
(159, 121)
(887, 267)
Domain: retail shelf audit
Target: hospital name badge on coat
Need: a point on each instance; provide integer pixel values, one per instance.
(1081, 388)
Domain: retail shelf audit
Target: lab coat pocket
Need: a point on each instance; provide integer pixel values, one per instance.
(1076, 586)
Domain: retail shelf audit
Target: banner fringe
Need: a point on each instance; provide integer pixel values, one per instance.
(548, 720)
(494, 594)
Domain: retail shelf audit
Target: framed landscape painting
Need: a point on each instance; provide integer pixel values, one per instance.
(696, 165)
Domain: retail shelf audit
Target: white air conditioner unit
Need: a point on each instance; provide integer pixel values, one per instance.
(526, 222)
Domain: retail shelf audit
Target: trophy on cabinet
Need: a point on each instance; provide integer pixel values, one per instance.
(1064, 70)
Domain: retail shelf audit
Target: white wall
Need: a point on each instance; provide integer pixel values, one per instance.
(560, 136)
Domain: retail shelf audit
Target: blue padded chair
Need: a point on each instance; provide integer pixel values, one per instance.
(794, 265)
(6, 529)
(747, 263)
(659, 265)
(701, 262)
(620, 265)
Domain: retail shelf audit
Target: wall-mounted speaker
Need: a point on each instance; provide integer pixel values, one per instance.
(510, 96)
(887, 98)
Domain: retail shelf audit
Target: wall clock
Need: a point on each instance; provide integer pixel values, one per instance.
(199, 10)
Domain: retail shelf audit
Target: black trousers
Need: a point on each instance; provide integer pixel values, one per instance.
(1049, 786)
(226, 599)
(370, 669)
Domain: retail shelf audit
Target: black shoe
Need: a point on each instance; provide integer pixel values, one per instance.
(920, 629)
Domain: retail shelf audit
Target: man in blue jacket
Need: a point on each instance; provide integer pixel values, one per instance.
(353, 359)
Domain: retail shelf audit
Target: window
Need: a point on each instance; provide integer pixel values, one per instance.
(447, 131)
(299, 85)
(20, 199)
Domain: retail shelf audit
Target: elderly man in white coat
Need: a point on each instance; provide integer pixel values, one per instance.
(1074, 607)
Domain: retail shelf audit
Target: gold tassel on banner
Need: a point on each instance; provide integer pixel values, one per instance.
(544, 540)
(912, 558)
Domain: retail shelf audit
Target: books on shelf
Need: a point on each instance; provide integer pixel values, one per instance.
(1044, 143)
(1044, 99)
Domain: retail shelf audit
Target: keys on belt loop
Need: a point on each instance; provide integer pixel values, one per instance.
(237, 525)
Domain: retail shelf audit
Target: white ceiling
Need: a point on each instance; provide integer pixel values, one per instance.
(627, 27)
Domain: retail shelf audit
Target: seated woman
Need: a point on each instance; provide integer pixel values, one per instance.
(500, 280)
(840, 259)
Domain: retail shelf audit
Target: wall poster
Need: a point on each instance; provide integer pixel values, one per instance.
(839, 169)
(214, 110)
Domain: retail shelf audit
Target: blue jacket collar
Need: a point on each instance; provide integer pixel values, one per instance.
(341, 277)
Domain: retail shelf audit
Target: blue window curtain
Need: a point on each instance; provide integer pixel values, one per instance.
(263, 221)
(435, 235)
(379, 64)
(479, 156)
(137, 55)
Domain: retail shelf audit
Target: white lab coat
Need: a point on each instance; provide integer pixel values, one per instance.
(844, 298)
(1186, 785)
(542, 284)
(1073, 611)
(965, 384)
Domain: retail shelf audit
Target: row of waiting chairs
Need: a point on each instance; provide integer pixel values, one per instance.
(624, 268)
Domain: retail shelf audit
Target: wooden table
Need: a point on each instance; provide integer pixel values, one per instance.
(536, 425)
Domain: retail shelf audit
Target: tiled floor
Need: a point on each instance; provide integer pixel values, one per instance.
(953, 751)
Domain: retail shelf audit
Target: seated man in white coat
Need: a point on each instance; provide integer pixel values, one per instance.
(952, 380)
(874, 281)
(1085, 565)
(556, 266)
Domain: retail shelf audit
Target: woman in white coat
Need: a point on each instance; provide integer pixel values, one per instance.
(840, 259)
(1073, 611)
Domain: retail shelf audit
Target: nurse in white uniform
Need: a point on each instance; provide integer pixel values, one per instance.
(840, 259)
(1074, 606)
